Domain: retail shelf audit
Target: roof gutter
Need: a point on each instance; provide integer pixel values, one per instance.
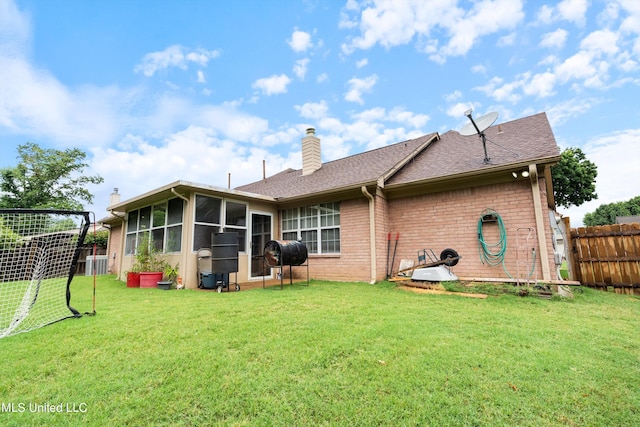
(372, 232)
(477, 172)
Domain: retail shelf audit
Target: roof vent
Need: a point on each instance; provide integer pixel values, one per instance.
(311, 157)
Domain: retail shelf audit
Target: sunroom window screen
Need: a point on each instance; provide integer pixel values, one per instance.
(166, 236)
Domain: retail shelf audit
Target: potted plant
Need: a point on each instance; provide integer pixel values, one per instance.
(170, 276)
(150, 262)
(133, 276)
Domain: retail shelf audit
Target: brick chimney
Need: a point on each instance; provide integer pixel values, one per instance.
(311, 158)
(114, 198)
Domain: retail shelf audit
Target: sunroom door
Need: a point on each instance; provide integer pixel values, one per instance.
(261, 230)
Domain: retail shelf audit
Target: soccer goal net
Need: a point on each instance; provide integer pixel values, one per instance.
(39, 252)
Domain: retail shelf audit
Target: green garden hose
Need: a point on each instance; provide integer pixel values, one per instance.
(494, 253)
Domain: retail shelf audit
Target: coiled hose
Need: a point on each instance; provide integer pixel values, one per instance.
(494, 253)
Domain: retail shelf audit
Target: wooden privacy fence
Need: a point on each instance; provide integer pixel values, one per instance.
(607, 256)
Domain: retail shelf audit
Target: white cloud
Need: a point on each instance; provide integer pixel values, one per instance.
(300, 41)
(300, 68)
(577, 66)
(588, 67)
(458, 109)
(560, 112)
(370, 115)
(192, 154)
(479, 69)
(285, 136)
(322, 78)
(601, 42)
(313, 110)
(508, 40)
(567, 10)
(272, 85)
(453, 96)
(545, 14)
(540, 85)
(615, 171)
(356, 87)
(362, 63)
(15, 30)
(573, 11)
(400, 115)
(500, 91)
(201, 77)
(393, 23)
(174, 56)
(555, 39)
(35, 103)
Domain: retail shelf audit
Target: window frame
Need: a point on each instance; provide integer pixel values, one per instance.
(222, 225)
(142, 225)
(307, 222)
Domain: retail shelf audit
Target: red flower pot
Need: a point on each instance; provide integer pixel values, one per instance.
(150, 279)
(133, 279)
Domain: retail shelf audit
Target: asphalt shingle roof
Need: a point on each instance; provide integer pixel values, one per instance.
(347, 172)
(526, 140)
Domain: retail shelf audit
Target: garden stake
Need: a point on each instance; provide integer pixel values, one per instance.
(393, 259)
(388, 252)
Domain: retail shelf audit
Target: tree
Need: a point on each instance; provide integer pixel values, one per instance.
(574, 178)
(606, 214)
(46, 178)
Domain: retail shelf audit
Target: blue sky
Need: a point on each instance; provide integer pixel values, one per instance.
(156, 91)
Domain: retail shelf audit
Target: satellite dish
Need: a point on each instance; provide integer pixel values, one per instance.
(477, 127)
(482, 123)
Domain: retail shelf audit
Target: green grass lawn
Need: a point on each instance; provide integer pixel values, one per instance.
(328, 354)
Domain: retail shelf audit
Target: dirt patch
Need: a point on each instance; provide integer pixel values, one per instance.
(421, 290)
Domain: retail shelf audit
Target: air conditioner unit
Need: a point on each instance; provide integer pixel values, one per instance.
(99, 263)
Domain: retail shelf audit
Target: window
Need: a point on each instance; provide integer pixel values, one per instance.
(318, 226)
(163, 220)
(213, 215)
(236, 221)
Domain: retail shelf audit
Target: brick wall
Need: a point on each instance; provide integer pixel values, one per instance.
(450, 220)
(437, 221)
(353, 264)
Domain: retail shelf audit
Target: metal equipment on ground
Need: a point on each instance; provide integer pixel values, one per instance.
(431, 268)
(278, 253)
(216, 264)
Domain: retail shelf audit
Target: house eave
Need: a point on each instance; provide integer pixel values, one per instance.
(346, 192)
(487, 175)
(179, 187)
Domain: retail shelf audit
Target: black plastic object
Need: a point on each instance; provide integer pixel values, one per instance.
(449, 253)
(224, 252)
(284, 252)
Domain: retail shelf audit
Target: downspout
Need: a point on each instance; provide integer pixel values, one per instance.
(112, 212)
(372, 232)
(537, 208)
(123, 242)
(173, 190)
(185, 229)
